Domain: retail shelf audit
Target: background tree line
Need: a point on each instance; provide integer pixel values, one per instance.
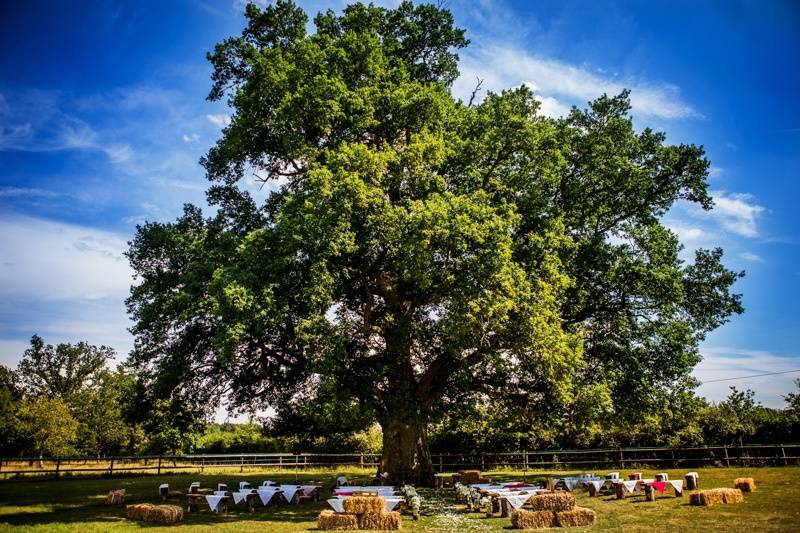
(67, 400)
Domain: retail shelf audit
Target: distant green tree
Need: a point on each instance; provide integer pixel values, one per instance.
(10, 395)
(793, 398)
(48, 426)
(731, 420)
(61, 371)
(101, 410)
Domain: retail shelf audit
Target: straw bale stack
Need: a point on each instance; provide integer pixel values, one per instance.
(383, 521)
(579, 516)
(330, 521)
(469, 477)
(154, 514)
(522, 519)
(363, 504)
(745, 484)
(715, 496)
(553, 501)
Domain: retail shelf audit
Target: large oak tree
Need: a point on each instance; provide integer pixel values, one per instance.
(418, 251)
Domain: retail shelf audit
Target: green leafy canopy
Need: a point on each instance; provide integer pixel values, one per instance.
(417, 251)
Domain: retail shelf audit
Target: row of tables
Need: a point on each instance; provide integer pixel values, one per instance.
(218, 499)
(517, 493)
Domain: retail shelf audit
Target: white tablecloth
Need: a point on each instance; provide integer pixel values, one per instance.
(308, 490)
(289, 491)
(517, 500)
(336, 504)
(266, 494)
(241, 495)
(214, 501)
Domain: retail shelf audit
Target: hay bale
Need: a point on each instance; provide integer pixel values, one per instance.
(330, 521)
(470, 477)
(383, 521)
(732, 495)
(745, 484)
(522, 519)
(154, 514)
(579, 516)
(715, 496)
(137, 511)
(363, 504)
(553, 501)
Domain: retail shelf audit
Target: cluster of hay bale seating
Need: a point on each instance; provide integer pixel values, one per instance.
(154, 514)
(711, 497)
(554, 509)
(361, 512)
(716, 496)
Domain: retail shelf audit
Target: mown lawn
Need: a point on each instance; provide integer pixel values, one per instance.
(77, 504)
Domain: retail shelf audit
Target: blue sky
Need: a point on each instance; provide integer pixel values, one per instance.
(103, 118)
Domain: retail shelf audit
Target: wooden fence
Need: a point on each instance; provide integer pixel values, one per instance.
(752, 455)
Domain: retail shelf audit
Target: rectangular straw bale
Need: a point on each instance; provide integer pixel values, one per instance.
(383, 521)
(469, 477)
(330, 521)
(137, 511)
(155, 514)
(579, 516)
(522, 519)
(715, 496)
(553, 501)
(732, 495)
(745, 484)
(363, 504)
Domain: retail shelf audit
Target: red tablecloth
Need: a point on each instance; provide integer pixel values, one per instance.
(660, 486)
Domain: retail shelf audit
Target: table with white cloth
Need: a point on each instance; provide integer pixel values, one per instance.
(390, 502)
(217, 500)
(266, 493)
(570, 482)
(636, 486)
(515, 493)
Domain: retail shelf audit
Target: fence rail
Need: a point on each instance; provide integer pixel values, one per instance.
(775, 455)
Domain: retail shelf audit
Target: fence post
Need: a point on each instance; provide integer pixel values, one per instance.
(783, 453)
(58, 464)
(727, 460)
(111, 467)
(241, 463)
(441, 463)
(159, 465)
(361, 460)
(621, 459)
(483, 462)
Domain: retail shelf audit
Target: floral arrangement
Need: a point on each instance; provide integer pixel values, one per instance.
(412, 499)
(462, 492)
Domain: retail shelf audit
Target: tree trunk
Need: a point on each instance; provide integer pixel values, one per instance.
(406, 457)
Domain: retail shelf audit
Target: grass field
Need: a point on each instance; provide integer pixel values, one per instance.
(78, 504)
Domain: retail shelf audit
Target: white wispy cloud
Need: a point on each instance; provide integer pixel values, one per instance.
(751, 257)
(220, 120)
(736, 212)
(35, 122)
(560, 84)
(722, 362)
(47, 260)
